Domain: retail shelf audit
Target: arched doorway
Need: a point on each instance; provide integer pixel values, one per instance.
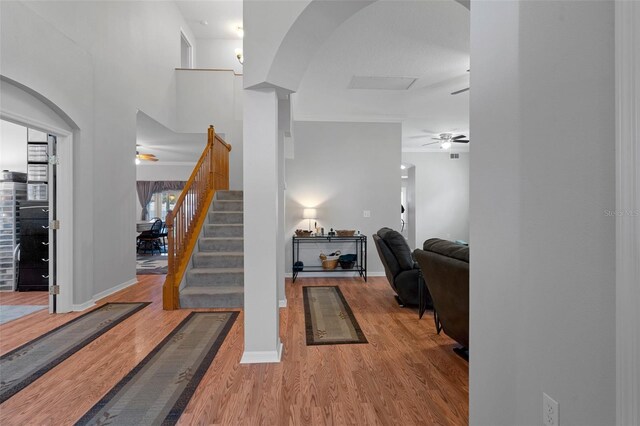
(24, 107)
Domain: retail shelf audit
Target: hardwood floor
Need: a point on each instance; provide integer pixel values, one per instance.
(24, 298)
(407, 374)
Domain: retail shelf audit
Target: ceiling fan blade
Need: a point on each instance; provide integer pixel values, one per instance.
(432, 143)
(459, 91)
(455, 138)
(146, 156)
(437, 139)
(418, 137)
(461, 141)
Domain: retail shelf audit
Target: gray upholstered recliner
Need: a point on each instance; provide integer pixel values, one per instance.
(402, 272)
(445, 267)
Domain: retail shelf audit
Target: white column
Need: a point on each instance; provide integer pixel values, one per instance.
(261, 210)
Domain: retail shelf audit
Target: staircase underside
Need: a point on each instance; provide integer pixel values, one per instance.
(215, 278)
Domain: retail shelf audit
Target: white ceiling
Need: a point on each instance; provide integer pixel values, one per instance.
(169, 147)
(427, 40)
(223, 17)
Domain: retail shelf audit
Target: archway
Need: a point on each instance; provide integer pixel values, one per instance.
(22, 105)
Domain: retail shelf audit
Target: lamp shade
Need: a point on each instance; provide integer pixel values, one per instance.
(309, 213)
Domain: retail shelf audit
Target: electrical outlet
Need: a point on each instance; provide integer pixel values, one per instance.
(366, 213)
(549, 411)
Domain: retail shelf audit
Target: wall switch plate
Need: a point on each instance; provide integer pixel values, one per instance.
(366, 213)
(549, 411)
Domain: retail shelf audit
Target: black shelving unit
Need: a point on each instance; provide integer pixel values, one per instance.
(360, 265)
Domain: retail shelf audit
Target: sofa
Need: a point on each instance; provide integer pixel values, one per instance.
(445, 267)
(401, 270)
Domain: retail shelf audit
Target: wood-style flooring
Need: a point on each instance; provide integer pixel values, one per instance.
(406, 375)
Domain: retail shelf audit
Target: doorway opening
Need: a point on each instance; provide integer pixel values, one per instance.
(30, 271)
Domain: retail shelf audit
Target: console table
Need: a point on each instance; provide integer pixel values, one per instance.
(360, 242)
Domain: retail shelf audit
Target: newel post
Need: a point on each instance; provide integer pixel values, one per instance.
(212, 141)
(169, 289)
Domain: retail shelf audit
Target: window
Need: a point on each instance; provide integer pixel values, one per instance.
(161, 203)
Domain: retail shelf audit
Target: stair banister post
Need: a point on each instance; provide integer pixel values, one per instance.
(169, 293)
(212, 141)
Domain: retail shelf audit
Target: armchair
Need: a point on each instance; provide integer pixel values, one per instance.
(402, 272)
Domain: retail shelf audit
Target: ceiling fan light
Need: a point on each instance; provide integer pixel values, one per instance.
(446, 145)
(137, 161)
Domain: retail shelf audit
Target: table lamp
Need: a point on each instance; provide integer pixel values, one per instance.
(309, 214)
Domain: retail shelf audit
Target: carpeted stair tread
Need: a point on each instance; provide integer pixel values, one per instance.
(211, 290)
(216, 270)
(220, 253)
(212, 297)
(216, 277)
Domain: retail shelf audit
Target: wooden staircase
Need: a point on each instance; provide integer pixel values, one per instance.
(195, 207)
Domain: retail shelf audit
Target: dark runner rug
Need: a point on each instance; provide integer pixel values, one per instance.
(24, 365)
(328, 317)
(159, 388)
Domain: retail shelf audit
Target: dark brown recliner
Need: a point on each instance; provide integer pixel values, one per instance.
(401, 270)
(445, 267)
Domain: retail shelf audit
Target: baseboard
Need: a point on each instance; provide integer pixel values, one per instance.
(282, 303)
(102, 295)
(333, 274)
(262, 357)
(83, 306)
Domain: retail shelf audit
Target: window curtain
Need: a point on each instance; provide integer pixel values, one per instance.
(146, 189)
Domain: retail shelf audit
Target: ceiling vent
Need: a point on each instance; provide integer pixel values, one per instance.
(380, 83)
(454, 156)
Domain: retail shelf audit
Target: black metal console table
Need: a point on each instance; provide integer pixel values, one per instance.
(360, 265)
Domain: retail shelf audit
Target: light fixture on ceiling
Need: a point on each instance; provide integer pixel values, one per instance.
(402, 166)
(137, 160)
(239, 55)
(204, 22)
(446, 145)
(240, 31)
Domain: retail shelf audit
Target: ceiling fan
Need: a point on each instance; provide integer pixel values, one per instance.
(446, 139)
(457, 92)
(144, 157)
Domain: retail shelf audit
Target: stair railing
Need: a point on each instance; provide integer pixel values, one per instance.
(185, 221)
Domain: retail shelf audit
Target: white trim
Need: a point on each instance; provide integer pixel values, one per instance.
(115, 289)
(64, 207)
(262, 357)
(627, 19)
(82, 306)
(282, 303)
(103, 294)
(190, 59)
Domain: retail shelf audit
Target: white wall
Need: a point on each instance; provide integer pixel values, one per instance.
(13, 147)
(441, 196)
(218, 54)
(542, 252)
(213, 97)
(342, 169)
(98, 62)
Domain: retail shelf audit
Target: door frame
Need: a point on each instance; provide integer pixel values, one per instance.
(627, 63)
(64, 207)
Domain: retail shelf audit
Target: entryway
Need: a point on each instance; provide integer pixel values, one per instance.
(30, 273)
